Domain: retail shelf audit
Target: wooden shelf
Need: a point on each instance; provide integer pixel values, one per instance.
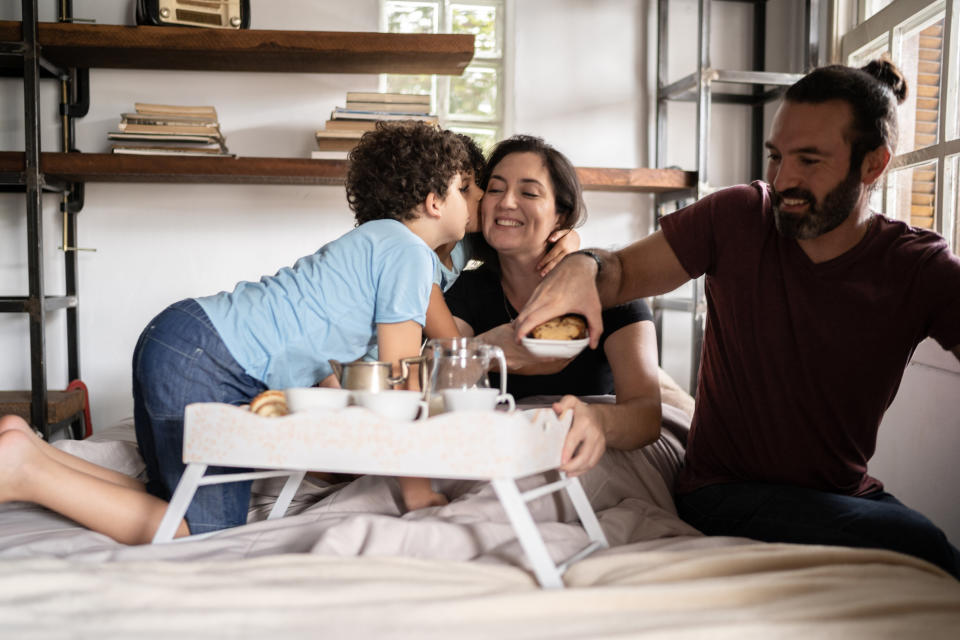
(184, 48)
(107, 167)
(636, 180)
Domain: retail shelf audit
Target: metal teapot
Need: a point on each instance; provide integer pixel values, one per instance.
(365, 375)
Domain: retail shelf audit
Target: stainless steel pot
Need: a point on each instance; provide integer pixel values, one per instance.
(363, 375)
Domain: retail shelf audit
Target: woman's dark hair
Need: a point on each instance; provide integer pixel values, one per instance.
(394, 167)
(873, 93)
(568, 193)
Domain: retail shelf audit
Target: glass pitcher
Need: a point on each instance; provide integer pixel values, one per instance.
(463, 363)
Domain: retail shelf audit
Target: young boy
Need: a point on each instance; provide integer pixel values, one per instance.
(370, 285)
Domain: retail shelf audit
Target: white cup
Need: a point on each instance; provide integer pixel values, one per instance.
(395, 404)
(306, 398)
(476, 399)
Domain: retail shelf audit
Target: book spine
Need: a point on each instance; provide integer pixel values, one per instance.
(404, 98)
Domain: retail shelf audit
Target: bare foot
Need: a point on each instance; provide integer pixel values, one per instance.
(17, 451)
(15, 423)
(424, 499)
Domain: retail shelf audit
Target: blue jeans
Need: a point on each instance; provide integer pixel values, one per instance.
(178, 360)
(781, 513)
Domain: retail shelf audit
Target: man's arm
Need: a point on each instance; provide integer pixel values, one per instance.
(579, 285)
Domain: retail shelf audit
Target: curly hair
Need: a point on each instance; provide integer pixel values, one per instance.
(478, 163)
(397, 165)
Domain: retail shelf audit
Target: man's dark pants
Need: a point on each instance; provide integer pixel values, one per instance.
(781, 513)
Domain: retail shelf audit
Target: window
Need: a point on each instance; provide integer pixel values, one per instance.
(920, 36)
(471, 103)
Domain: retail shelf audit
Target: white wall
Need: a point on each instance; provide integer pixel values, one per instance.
(158, 243)
(583, 76)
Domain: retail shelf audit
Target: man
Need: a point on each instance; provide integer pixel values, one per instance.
(815, 305)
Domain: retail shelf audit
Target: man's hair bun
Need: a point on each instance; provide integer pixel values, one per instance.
(887, 73)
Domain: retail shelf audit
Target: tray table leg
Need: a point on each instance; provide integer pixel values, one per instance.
(585, 512)
(527, 533)
(182, 496)
(286, 494)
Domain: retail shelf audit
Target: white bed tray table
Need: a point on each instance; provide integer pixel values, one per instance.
(474, 445)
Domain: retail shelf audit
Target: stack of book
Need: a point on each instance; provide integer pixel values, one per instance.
(161, 129)
(361, 113)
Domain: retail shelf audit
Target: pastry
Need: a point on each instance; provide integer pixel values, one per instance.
(568, 327)
(270, 404)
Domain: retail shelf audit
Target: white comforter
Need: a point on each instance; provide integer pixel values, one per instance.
(349, 563)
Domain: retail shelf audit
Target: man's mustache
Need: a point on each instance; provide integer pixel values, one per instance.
(793, 194)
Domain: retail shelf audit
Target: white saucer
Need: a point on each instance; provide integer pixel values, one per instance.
(555, 348)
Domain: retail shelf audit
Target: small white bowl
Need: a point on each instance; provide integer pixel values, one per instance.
(307, 398)
(394, 404)
(555, 348)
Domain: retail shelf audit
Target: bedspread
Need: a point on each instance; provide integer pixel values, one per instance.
(349, 562)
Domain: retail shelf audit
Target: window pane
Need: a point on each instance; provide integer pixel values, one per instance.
(911, 195)
(485, 137)
(921, 53)
(873, 6)
(410, 84)
(481, 21)
(475, 94)
(411, 17)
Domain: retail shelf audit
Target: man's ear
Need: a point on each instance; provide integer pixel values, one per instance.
(874, 163)
(432, 205)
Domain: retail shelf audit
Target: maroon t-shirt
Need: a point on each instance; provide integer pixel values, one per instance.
(800, 360)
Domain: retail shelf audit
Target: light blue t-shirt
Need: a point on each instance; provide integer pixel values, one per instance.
(284, 328)
(460, 255)
(443, 276)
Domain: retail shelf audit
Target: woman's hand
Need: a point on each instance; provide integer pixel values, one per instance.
(586, 442)
(564, 241)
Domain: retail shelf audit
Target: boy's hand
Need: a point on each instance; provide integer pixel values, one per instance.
(566, 241)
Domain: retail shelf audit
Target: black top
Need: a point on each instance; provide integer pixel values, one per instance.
(477, 298)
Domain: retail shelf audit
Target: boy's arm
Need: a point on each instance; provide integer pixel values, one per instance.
(440, 322)
(565, 241)
(396, 340)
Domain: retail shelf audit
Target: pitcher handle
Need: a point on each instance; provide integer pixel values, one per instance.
(498, 353)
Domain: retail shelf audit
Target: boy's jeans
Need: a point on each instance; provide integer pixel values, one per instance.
(782, 513)
(178, 360)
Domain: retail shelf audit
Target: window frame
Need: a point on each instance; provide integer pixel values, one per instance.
(442, 84)
(887, 23)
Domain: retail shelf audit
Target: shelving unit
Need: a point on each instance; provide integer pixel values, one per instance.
(66, 51)
(765, 87)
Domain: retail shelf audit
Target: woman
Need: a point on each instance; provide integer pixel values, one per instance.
(531, 190)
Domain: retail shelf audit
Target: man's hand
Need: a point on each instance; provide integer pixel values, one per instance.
(569, 288)
(517, 355)
(585, 443)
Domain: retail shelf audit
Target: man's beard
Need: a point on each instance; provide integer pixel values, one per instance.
(819, 217)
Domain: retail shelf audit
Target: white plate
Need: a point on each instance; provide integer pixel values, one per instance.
(554, 348)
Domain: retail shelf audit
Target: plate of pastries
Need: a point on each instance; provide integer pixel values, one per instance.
(561, 337)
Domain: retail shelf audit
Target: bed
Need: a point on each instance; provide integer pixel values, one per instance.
(346, 562)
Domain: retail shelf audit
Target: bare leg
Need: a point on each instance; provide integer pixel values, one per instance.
(16, 423)
(127, 515)
(418, 494)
